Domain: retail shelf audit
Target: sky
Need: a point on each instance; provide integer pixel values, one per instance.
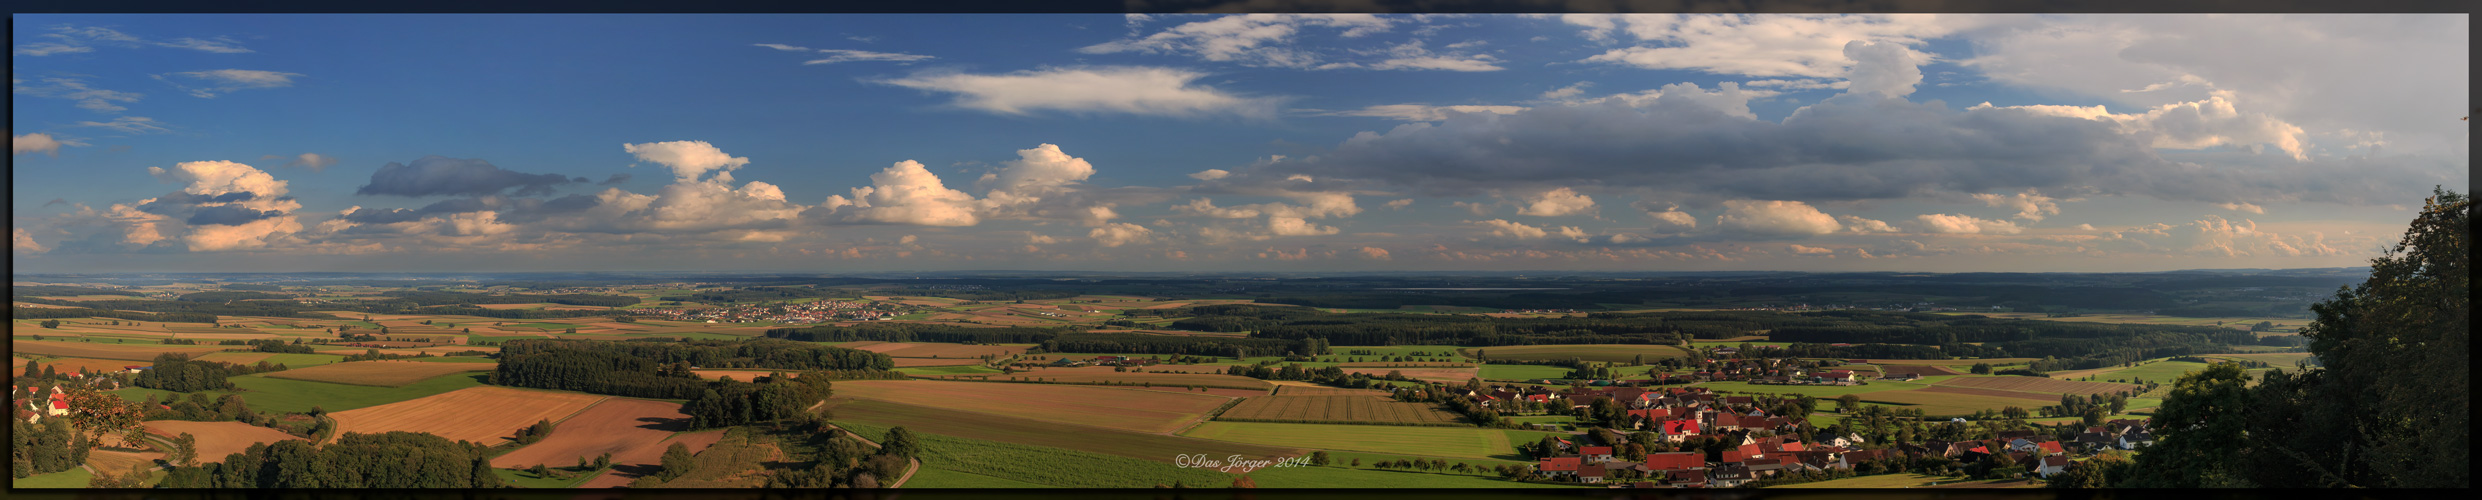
(1260, 142)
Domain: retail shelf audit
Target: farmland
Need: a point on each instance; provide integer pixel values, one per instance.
(1045, 465)
(1338, 410)
(1523, 372)
(2039, 384)
(622, 475)
(132, 352)
(481, 414)
(1615, 353)
(75, 365)
(1464, 442)
(629, 429)
(379, 373)
(2031, 396)
(1424, 374)
(1104, 374)
(217, 439)
(1944, 404)
(1922, 370)
(1146, 411)
(1040, 433)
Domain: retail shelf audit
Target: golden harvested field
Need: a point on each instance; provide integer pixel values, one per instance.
(1145, 411)
(1336, 410)
(71, 365)
(1424, 374)
(479, 414)
(133, 352)
(1101, 374)
(217, 439)
(909, 362)
(1168, 305)
(643, 462)
(117, 462)
(2039, 384)
(2036, 396)
(741, 375)
(626, 428)
(236, 357)
(384, 373)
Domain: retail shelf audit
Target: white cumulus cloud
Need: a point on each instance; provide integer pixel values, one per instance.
(1109, 89)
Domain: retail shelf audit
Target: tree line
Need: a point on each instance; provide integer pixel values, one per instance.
(355, 460)
(918, 332)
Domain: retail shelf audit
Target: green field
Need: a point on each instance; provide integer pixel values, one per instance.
(72, 478)
(947, 370)
(523, 479)
(930, 477)
(454, 359)
(1523, 372)
(1039, 433)
(1339, 477)
(1617, 353)
(1045, 465)
(290, 360)
(1816, 391)
(553, 326)
(1425, 441)
(295, 396)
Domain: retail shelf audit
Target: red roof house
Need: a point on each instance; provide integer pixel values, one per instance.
(1679, 460)
(1558, 464)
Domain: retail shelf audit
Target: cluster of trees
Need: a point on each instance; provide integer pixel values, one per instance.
(355, 460)
(772, 398)
(2389, 407)
(278, 346)
(660, 369)
(1329, 376)
(843, 461)
(532, 433)
(178, 373)
(2094, 407)
(44, 448)
(918, 332)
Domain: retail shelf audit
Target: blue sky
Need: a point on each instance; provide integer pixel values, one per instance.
(1264, 142)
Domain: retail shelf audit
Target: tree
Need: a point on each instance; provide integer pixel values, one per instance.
(2200, 436)
(51, 323)
(2094, 416)
(676, 461)
(1982, 368)
(1847, 403)
(900, 443)
(184, 450)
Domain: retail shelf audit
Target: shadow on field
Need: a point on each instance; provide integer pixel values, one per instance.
(634, 471)
(663, 424)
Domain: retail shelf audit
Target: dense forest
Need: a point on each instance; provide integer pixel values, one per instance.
(355, 460)
(663, 370)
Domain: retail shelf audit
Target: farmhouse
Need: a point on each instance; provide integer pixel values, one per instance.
(1559, 466)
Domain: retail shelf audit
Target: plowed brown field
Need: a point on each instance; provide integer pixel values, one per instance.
(217, 439)
(629, 429)
(479, 414)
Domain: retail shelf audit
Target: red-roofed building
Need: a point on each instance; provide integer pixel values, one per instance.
(1679, 429)
(2050, 446)
(1675, 461)
(2052, 465)
(1558, 466)
(60, 406)
(1687, 478)
(1591, 473)
(1596, 454)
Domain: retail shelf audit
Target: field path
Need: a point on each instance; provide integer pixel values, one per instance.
(913, 464)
